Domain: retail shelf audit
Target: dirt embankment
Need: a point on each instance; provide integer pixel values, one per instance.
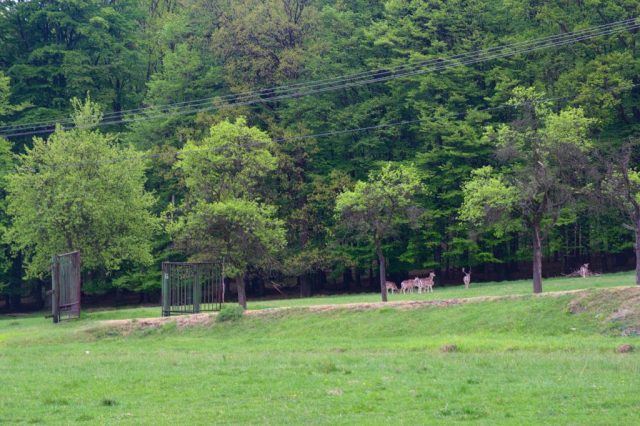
(619, 306)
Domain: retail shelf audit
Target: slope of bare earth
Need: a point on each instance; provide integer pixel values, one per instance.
(618, 308)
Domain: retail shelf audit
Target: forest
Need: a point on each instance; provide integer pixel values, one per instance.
(316, 145)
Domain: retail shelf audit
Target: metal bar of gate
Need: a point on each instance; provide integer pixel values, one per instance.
(166, 291)
(78, 283)
(196, 284)
(55, 289)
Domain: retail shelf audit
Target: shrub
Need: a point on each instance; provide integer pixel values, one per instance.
(449, 348)
(230, 313)
(623, 349)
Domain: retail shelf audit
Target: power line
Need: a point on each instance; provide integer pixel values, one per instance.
(590, 30)
(334, 132)
(305, 89)
(465, 58)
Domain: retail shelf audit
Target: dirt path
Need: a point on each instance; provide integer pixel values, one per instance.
(204, 319)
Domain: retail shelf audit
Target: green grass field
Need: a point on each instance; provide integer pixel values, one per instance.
(525, 360)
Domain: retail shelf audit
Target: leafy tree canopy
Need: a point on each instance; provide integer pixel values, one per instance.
(72, 192)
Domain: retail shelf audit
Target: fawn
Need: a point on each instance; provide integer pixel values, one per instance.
(391, 286)
(407, 285)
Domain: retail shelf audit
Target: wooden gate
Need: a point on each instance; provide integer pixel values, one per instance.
(65, 280)
(191, 287)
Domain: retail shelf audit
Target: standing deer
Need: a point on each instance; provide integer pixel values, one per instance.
(391, 286)
(426, 283)
(584, 270)
(417, 283)
(407, 285)
(467, 278)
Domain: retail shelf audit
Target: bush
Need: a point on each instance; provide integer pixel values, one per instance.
(230, 313)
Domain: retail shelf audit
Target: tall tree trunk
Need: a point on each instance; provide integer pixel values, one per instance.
(305, 286)
(371, 283)
(353, 285)
(322, 280)
(637, 252)
(15, 300)
(383, 274)
(537, 259)
(347, 280)
(242, 291)
(257, 287)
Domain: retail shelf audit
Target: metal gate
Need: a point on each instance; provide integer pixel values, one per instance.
(65, 280)
(189, 288)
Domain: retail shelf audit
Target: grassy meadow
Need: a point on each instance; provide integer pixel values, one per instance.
(522, 360)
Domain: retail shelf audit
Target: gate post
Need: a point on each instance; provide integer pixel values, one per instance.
(197, 288)
(78, 283)
(55, 289)
(166, 291)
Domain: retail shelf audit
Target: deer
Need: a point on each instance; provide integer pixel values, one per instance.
(425, 283)
(584, 270)
(391, 286)
(407, 285)
(467, 278)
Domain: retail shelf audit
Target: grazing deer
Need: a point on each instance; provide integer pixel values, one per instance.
(391, 286)
(425, 283)
(407, 285)
(467, 278)
(584, 270)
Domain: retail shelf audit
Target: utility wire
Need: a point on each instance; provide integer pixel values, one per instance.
(305, 89)
(591, 30)
(315, 90)
(380, 75)
(323, 134)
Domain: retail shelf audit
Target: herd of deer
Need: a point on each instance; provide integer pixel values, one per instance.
(426, 284)
(422, 284)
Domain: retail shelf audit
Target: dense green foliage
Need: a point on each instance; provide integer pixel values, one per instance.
(71, 193)
(375, 210)
(542, 162)
(251, 170)
(224, 216)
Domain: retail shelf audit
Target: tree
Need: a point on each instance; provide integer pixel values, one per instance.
(57, 50)
(261, 41)
(10, 286)
(376, 209)
(5, 91)
(225, 214)
(243, 232)
(622, 187)
(79, 190)
(542, 159)
(10, 283)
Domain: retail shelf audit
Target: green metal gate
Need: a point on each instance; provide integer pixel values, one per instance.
(189, 288)
(65, 280)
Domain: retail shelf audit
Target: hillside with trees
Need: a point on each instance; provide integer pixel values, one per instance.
(307, 141)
